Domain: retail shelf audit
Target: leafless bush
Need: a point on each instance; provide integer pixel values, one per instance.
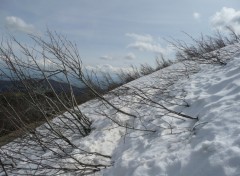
(206, 49)
(49, 150)
(127, 76)
(146, 69)
(161, 62)
(54, 57)
(102, 82)
(108, 82)
(28, 68)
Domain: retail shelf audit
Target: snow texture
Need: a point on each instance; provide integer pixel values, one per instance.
(178, 147)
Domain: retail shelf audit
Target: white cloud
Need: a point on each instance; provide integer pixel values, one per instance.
(130, 56)
(148, 44)
(144, 46)
(142, 38)
(226, 17)
(16, 23)
(106, 57)
(196, 15)
(107, 68)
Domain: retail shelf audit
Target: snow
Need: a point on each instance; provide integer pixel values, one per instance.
(178, 147)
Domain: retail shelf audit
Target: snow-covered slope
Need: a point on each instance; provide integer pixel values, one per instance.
(167, 144)
(211, 147)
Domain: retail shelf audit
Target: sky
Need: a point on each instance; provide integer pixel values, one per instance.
(113, 34)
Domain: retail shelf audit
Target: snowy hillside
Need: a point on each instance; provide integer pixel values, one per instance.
(185, 122)
(209, 147)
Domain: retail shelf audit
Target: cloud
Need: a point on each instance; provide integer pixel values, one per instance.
(148, 44)
(101, 70)
(142, 38)
(226, 17)
(143, 46)
(196, 15)
(17, 24)
(130, 56)
(106, 57)
(107, 69)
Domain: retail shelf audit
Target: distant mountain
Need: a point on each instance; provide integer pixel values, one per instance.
(5, 86)
(8, 86)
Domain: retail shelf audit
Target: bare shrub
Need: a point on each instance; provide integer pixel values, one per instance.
(127, 76)
(49, 149)
(161, 62)
(205, 49)
(28, 69)
(146, 69)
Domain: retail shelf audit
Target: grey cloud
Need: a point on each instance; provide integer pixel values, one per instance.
(130, 56)
(18, 24)
(106, 57)
(196, 15)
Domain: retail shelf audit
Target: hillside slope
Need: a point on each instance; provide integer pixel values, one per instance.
(210, 147)
(162, 143)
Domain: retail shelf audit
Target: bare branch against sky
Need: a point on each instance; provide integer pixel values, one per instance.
(115, 32)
